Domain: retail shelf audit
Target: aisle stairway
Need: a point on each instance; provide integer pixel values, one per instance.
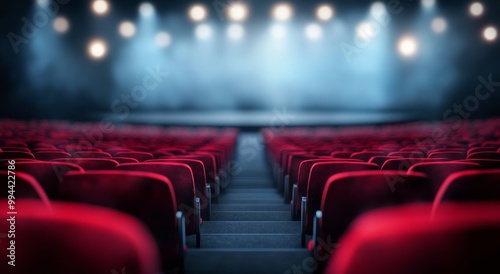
(250, 230)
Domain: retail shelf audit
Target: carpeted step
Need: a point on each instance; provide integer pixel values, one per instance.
(242, 227)
(250, 216)
(251, 207)
(248, 261)
(235, 201)
(246, 241)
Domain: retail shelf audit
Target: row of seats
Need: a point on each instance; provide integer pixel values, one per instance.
(333, 176)
(461, 238)
(165, 178)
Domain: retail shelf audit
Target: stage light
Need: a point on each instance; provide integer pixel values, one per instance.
(203, 32)
(235, 32)
(97, 49)
(237, 12)
(198, 13)
(490, 34)
(278, 31)
(377, 9)
(127, 29)
(313, 31)
(408, 46)
(282, 12)
(100, 7)
(324, 12)
(439, 25)
(428, 3)
(476, 9)
(61, 24)
(163, 39)
(366, 31)
(146, 9)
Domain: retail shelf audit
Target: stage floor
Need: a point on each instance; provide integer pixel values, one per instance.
(259, 119)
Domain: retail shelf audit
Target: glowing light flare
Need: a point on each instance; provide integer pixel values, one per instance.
(476, 9)
(198, 13)
(163, 39)
(61, 24)
(439, 25)
(313, 32)
(146, 9)
(237, 12)
(97, 49)
(324, 12)
(203, 32)
(490, 34)
(127, 29)
(282, 12)
(408, 46)
(100, 7)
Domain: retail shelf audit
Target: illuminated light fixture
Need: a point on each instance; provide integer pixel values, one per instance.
(61, 24)
(198, 13)
(127, 29)
(282, 12)
(490, 34)
(366, 31)
(377, 9)
(428, 3)
(278, 31)
(439, 25)
(237, 12)
(313, 31)
(235, 32)
(146, 9)
(203, 32)
(324, 12)
(97, 49)
(408, 46)
(163, 39)
(100, 7)
(476, 9)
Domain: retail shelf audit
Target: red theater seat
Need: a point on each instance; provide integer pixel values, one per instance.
(348, 195)
(484, 155)
(125, 160)
(51, 155)
(181, 177)
(139, 156)
(403, 164)
(202, 188)
(439, 171)
(449, 155)
(48, 174)
(21, 185)
(9, 155)
(91, 154)
(148, 196)
(366, 155)
(462, 239)
(76, 238)
(320, 173)
(91, 163)
(471, 185)
(485, 163)
(300, 189)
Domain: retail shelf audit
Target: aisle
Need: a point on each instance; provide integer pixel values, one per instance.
(250, 230)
